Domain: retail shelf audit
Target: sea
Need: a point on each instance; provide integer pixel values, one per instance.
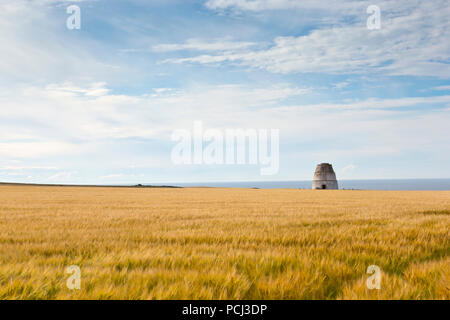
(379, 184)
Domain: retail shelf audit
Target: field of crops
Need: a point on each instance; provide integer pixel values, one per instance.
(139, 243)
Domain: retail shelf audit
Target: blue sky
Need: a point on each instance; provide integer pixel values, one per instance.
(99, 104)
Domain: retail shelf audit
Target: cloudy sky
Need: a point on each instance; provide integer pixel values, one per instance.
(99, 104)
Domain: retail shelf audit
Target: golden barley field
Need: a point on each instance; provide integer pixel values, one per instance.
(200, 243)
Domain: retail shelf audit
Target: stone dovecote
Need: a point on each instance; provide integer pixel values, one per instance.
(324, 177)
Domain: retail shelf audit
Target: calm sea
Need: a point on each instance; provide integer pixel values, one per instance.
(398, 184)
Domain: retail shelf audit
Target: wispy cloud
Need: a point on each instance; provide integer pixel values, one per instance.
(412, 41)
(348, 168)
(21, 168)
(63, 176)
(106, 117)
(442, 88)
(36, 44)
(260, 5)
(201, 45)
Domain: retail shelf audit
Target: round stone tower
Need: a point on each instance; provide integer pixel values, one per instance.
(324, 177)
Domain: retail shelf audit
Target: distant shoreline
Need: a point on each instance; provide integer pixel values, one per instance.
(86, 185)
(370, 184)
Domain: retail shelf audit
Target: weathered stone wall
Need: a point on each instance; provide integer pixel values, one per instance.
(324, 177)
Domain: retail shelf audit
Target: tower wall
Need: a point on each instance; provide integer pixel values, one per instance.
(324, 177)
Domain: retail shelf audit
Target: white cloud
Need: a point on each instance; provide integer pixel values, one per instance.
(260, 5)
(413, 40)
(341, 85)
(20, 168)
(372, 103)
(68, 119)
(348, 168)
(200, 45)
(37, 149)
(83, 121)
(63, 176)
(122, 177)
(73, 124)
(442, 88)
(36, 46)
(95, 89)
(112, 176)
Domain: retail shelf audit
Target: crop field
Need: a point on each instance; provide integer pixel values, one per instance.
(200, 243)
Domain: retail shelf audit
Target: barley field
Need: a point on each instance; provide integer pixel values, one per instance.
(200, 243)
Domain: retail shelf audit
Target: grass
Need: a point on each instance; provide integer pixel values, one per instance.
(222, 243)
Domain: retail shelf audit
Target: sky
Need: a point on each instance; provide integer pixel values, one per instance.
(99, 104)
